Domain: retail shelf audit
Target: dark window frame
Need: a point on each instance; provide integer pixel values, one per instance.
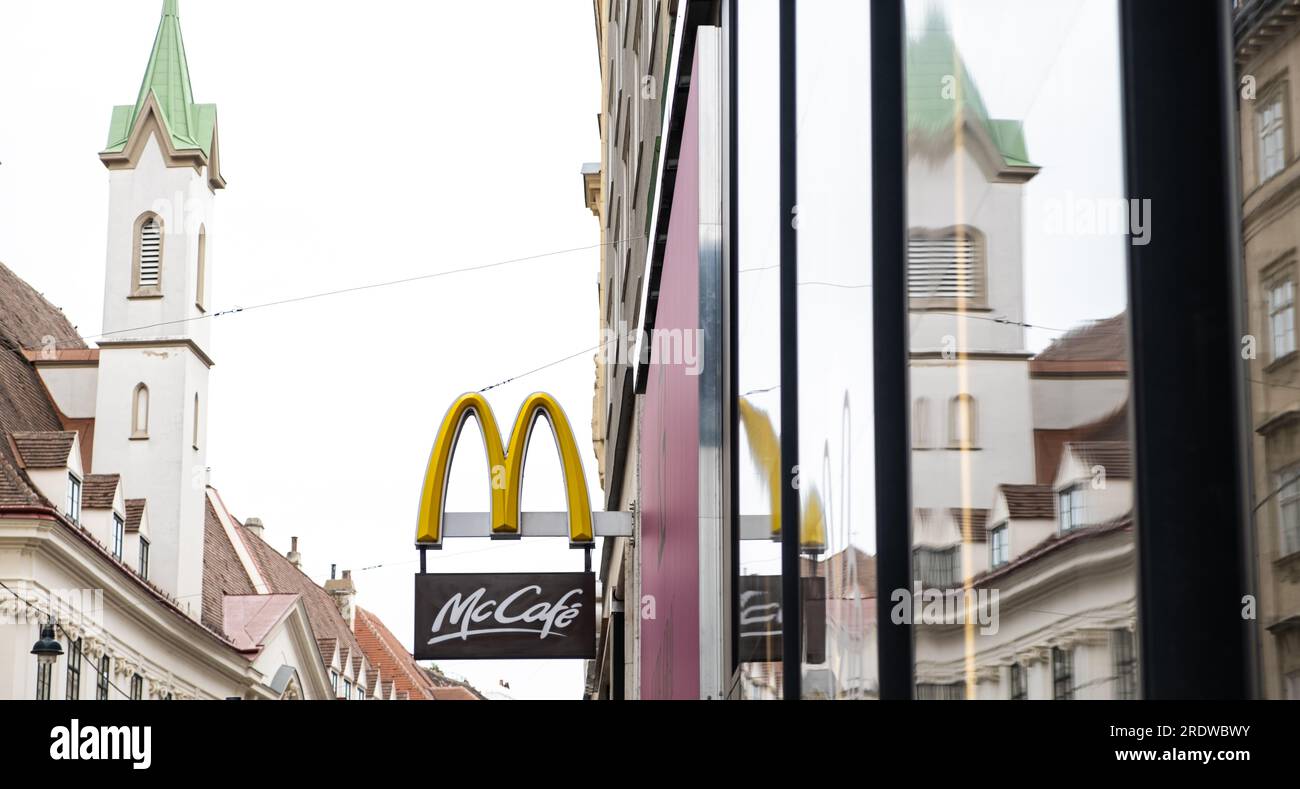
(73, 690)
(101, 678)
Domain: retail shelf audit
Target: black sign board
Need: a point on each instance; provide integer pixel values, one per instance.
(461, 616)
(760, 618)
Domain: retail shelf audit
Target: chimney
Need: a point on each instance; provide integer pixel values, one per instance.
(293, 556)
(255, 526)
(344, 593)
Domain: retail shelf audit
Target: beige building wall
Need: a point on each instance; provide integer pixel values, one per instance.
(1268, 66)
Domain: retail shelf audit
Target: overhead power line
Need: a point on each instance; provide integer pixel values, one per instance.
(328, 293)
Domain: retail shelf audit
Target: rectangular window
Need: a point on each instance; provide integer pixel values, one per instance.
(101, 679)
(74, 671)
(999, 546)
(334, 682)
(1019, 684)
(119, 535)
(1281, 317)
(952, 691)
(137, 687)
(1071, 508)
(44, 671)
(1062, 674)
(144, 558)
(347, 689)
(1125, 660)
(1288, 501)
(1270, 123)
(74, 499)
(936, 568)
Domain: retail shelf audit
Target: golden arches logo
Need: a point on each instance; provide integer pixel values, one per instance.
(506, 468)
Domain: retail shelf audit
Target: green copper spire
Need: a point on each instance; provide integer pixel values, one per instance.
(167, 78)
(941, 92)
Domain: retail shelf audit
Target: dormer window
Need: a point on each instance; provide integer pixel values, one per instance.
(999, 546)
(347, 689)
(119, 535)
(73, 508)
(147, 268)
(1070, 503)
(144, 558)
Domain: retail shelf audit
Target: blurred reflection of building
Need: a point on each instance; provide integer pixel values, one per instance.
(1058, 550)
(1267, 54)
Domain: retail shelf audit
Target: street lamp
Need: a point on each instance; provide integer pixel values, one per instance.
(47, 650)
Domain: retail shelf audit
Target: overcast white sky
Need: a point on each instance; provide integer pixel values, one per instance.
(362, 142)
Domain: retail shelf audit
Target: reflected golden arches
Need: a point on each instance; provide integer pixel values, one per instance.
(765, 452)
(505, 477)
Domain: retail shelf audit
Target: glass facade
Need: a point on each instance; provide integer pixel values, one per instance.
(1033, 382)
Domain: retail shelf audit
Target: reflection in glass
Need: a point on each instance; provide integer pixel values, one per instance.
(835, 474)
(757, 345)
(1024, 567)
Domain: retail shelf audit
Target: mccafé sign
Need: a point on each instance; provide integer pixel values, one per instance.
(507, 615)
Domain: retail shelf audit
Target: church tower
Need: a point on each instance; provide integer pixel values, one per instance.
(152, 395)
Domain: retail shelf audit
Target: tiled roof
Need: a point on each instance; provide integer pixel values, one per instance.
(1053, 544)
(14, 490)
(223, 574)
(455, 693)
(27, 319)
(835, 569)
(1104, 340)
(1113, 456)
(387, 653)
(98, 490)
(250, 618)
(328, 648)
(46, 449)
(977, 519)
(135, 514)
(281, 576)
(1029, 501)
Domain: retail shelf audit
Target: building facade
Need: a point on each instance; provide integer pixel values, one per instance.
(109, 530)
(1267, 60)
(1021, 479)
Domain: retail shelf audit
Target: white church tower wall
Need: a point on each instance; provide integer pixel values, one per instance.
(152, 391)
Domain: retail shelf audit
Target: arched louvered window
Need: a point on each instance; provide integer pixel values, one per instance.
(148, 256)
(140, 412)
(946, 267)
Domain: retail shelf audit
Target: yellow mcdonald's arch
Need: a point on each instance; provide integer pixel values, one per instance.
(765, 452)
(506, 468)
